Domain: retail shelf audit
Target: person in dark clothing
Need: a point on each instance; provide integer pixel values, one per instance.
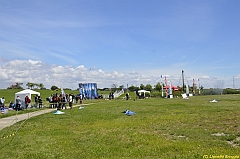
(36, 101)
(63, 101)
(40, 102)
(127, 96)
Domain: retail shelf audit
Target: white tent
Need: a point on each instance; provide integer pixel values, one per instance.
(22, 94)
(143, 91)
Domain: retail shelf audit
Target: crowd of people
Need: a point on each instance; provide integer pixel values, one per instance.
(60, 101)
(25, 103)
(19, 103)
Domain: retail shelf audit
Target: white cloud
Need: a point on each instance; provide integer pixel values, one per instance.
(68, 77)
(206, 77)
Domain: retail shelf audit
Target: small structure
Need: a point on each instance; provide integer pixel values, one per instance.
(175, 88)
(22, 94)
(88, 90)
(144, 92)
(170, 89)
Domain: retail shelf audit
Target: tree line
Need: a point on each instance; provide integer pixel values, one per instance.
(30, 85)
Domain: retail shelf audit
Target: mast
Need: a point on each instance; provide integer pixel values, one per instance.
(193, 87)
(183, 80)
(162, 86)
(165, 81)
(199, 87)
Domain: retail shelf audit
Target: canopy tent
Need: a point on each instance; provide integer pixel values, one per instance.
(144, 91)
(22, 94)
(175, 88)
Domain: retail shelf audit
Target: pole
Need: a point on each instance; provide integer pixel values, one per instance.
(183, 80)
(199, 87)
(193, 87)
(162, 86)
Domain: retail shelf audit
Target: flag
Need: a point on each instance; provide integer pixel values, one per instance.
(165, 80)
(63, 93)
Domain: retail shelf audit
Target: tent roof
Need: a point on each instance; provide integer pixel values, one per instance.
(175, 88)
(27, 91)
(144, 91)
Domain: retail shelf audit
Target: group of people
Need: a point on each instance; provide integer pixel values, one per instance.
(60, 101)
(38, 101)
(26, 103)
(111, 95)
(56, 101)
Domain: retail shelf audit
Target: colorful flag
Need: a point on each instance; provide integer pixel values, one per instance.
(63, 93)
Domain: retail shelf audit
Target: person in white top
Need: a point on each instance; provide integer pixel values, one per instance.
(2, 100)
(70, 100)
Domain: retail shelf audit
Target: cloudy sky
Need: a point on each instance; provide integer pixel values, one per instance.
(122, 42)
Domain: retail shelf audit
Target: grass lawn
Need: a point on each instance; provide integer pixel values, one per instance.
(161, 128)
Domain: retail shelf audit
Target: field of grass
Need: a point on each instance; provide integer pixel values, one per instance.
(161, 128)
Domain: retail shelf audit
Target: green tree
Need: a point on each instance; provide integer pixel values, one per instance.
(158, 87)
(121, 87)
(37, 85)
(142, 86)
(131, 88)
(30, 85)
(54, 88)
(148, 87)
(41, 85)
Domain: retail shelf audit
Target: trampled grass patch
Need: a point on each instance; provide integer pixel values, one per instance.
(161, 128)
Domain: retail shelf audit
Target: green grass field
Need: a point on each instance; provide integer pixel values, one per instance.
(161, 128)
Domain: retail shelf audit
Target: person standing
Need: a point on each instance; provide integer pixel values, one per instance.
(80, 98)
(36, 101)
(2, 100)
(40, 102)
(63, 101)
(127, 96)
(18, 103)
(70, 101)
(27, 101)
(59, 99)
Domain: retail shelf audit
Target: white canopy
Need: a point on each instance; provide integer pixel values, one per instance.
(143, 91)
(22, 94)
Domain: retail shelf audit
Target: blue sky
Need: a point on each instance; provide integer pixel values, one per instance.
(120, 42)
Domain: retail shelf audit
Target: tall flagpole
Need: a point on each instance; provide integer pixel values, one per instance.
(199, 87)
(162, 86)
(183, 80)
(165, 81)
(193, 87)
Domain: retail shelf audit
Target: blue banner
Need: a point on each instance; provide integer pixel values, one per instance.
(88, 90)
